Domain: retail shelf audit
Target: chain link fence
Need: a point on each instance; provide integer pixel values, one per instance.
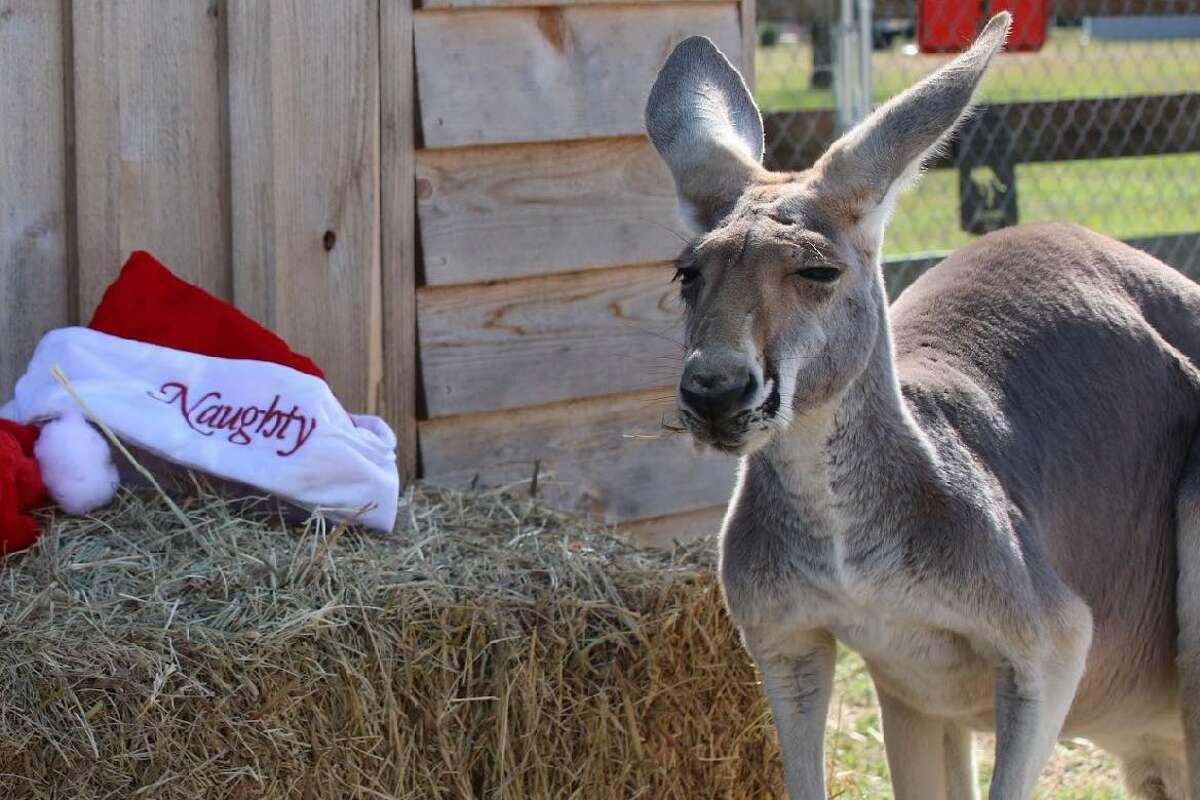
(1099, 124)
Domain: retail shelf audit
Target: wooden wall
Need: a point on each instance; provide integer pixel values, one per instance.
(263, 150)
(547, 324)
(284, 154)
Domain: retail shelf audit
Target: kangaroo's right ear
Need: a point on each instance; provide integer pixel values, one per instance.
(705, 125)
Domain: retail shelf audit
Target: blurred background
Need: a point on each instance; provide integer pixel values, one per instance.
(1092, 116)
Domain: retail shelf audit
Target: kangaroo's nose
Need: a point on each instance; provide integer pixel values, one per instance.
(716, 391)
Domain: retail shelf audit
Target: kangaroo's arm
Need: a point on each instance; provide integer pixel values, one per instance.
(1031, 703)
(797, 675)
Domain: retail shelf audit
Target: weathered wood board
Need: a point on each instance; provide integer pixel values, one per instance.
(304, 114)
(502, 212)
(35, 284)
(665, 531)
(608, 456)
(491, 76)
(397, 204)
(543, 340)
(150, 143)
(531, 3)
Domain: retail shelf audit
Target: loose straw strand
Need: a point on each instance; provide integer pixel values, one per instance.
(61, 377)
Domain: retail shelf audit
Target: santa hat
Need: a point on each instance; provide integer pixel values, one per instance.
(187, 377)
(21, 487)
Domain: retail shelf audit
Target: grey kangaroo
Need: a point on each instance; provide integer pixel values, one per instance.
(992, 492)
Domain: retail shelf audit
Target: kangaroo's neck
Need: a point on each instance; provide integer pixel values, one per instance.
(862, 453)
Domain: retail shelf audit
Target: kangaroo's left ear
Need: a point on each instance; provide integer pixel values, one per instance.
(864, 172)
(705, 125)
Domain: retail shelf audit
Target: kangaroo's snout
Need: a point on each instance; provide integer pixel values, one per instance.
(715, 386)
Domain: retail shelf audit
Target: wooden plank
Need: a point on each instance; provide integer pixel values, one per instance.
(493, 76)
(150, 147)
(608, 456)
(252, 164)
(35, 284)
(543, 340)
(460, 4)
(508, 211)
(398, 403)
(304, 113)
(666, 531)
(1047, 130)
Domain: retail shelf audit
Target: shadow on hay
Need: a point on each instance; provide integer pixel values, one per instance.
(492, 648)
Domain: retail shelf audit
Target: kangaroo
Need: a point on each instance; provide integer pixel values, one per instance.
(992, 492)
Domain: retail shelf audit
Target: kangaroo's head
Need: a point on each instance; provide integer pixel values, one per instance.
(782, 287)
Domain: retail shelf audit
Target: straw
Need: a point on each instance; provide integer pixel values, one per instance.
(490, 648)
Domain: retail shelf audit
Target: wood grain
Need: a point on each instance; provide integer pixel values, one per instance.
(532, 3)
(665, 531)
(304, 114)
(150, 148)
(508, 211)
(34, 280)
(608, 456)
(542, 340)
(398, 387)
(490, 76)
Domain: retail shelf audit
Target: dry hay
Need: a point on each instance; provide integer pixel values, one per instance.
(491, 649)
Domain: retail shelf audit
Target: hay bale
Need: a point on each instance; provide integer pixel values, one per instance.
(493, 649)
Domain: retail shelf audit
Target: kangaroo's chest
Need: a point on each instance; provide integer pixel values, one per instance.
(930, 668)
(866, 596)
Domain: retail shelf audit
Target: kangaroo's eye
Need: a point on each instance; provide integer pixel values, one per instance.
(819, 274)
(685, 275)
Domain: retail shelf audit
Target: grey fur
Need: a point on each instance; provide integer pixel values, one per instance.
(705, 125)
(988, 492)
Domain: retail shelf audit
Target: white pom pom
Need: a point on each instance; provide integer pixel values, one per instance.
(76, 464)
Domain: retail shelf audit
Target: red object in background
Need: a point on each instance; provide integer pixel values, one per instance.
(21, 487)
(949, 26)
(147, 303)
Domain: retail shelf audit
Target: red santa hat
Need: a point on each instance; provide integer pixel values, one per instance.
(187, 377)
(21, 487)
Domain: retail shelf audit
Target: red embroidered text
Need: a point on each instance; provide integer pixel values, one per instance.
(208, 415)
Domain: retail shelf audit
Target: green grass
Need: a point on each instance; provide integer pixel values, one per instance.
(857, 769)
(1122, 197)
(1127, 197)
(1068, 66)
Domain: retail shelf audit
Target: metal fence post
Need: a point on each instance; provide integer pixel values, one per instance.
(852, 63)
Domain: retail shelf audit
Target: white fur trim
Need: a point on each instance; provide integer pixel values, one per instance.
(76, 464)
(252, 422)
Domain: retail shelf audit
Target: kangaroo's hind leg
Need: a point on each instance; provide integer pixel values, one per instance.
(929, 759)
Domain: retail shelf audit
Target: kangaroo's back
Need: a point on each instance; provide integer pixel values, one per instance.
(1065, 362)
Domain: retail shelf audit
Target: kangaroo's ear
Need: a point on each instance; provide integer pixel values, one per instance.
(865, 171)
(705, 125)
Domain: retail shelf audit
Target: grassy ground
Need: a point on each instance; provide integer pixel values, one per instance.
(854, 745)
(1068, 66)
(1122, 197)
(1125, 198)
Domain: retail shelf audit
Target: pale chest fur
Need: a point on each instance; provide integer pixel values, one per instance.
(863, 593)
